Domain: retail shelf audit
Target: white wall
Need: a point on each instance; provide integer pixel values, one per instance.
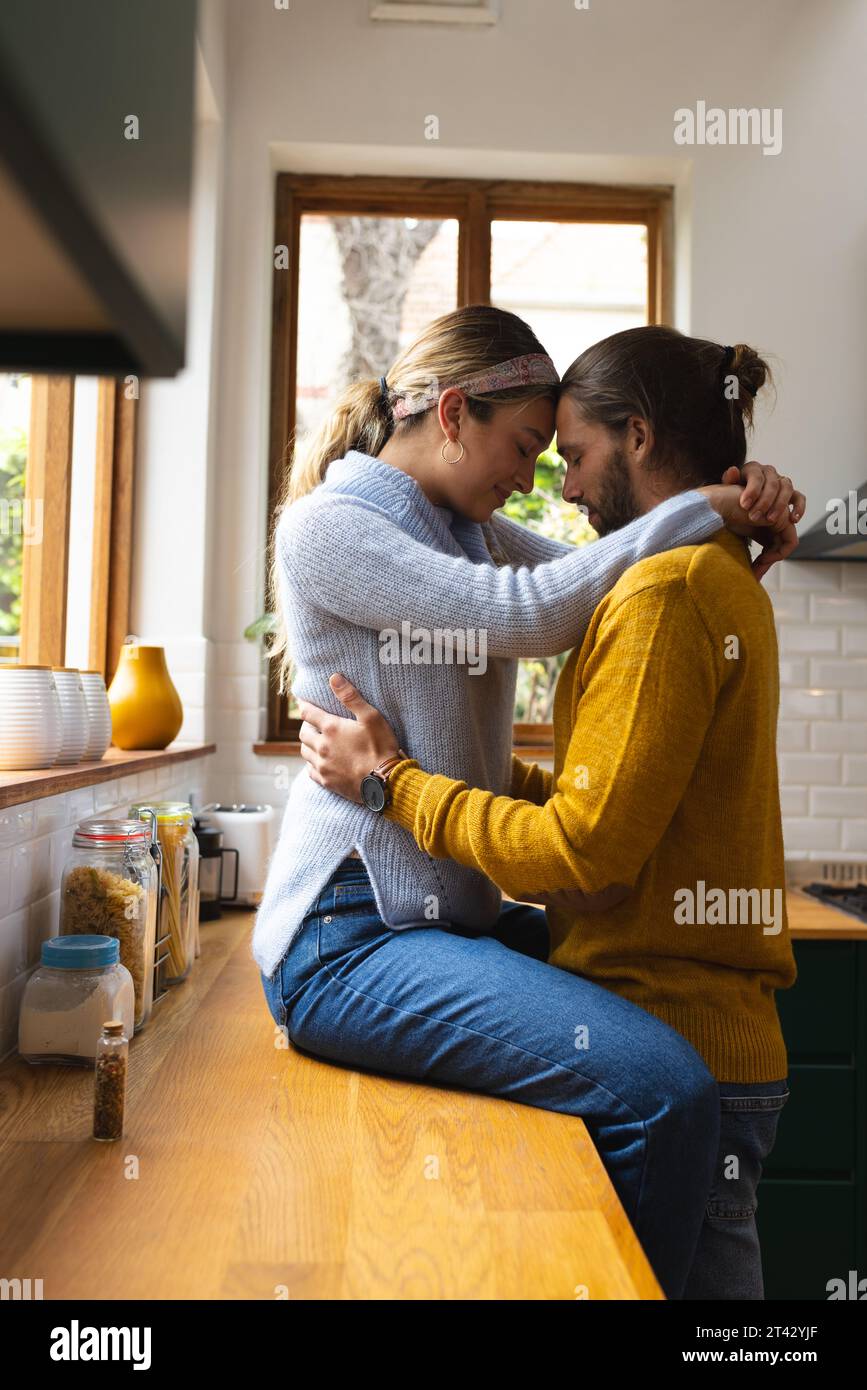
(770, 249)
(176, 473)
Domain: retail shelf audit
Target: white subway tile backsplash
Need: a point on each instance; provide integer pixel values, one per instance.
(854, 576)
(43, 922)
(771, 581)
(809, 640)
(855, 769)
(795, 674)
(17, 823)
(838, 801)
(810, 834)
(128, 790)
(148, 783)
(61, 846)
(791, 607)
(811, 769)
(855, 835)
(794, 801)
(848, 608)
(809, 704)
(79, 805)
(792, 735)
(811, 578)
(839, 738)
(849, 674)
(49, 814)
(13, 945)
(855, 641)
(164, 776)
(105, 797)
(5, 881)
(31, 872)
(855, 704)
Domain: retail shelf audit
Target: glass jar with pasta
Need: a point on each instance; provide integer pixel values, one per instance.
(179, 890)
(109, 887)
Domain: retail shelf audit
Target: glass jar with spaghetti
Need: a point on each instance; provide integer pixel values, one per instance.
(180, 883)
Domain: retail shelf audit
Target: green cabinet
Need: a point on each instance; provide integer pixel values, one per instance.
(812, 1199)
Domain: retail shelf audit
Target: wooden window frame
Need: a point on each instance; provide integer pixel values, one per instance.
(48, 478)
(475, 204)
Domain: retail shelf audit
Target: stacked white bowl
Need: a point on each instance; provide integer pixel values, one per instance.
(73, 713)
(99, 714)
(31, 721)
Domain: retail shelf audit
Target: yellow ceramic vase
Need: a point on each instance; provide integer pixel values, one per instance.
(146, 710)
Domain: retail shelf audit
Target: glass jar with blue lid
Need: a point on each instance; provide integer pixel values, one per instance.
(78, 986)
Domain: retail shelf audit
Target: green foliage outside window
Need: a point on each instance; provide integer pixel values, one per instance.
(545, 511)
(13, 460)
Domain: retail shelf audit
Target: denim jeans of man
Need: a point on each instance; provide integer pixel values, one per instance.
(489, 1014)
(728, 1261)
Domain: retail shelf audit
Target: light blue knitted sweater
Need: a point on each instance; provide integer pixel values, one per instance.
(367, 551)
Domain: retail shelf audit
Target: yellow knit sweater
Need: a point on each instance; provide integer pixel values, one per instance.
(665, 779)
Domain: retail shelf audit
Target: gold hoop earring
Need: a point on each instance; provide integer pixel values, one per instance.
(443, 452)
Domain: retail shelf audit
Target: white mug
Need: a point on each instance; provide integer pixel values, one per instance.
(99, 715)
(31, 723)
(73, 712)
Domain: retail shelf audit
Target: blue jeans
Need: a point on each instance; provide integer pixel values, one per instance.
(450, 1007)
(728, 1261)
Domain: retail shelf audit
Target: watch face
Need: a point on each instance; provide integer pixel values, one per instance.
(373, 793)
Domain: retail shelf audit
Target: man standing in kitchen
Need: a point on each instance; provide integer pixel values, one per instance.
(656, 844)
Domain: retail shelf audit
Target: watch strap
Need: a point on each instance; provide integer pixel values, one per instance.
(384, 769)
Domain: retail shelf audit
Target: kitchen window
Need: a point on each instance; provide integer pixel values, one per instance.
(377, 258)
(67, 448)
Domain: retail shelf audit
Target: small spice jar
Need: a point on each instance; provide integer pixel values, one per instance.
(109, 1081)
(67, 998)
(179, 906)
(109, 886)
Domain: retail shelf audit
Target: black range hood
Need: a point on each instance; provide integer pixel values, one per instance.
(96, 131)
(842, 532)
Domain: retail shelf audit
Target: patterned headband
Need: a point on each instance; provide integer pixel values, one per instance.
(534, 369)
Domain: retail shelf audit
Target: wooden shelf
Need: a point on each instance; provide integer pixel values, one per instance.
(290, 749)
(16, 787)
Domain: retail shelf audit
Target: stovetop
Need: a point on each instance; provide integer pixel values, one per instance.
(851, 897)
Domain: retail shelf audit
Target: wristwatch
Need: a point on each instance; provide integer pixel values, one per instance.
(375, 791)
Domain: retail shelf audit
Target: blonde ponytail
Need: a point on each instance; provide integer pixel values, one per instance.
(359, 420)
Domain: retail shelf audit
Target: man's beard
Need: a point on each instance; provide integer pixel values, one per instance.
(615, 504)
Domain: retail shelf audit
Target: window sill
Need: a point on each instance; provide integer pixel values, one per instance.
(287, 749)
(16, 787)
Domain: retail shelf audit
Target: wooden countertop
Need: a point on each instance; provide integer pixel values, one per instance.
(808, 917)
(246, 1169)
